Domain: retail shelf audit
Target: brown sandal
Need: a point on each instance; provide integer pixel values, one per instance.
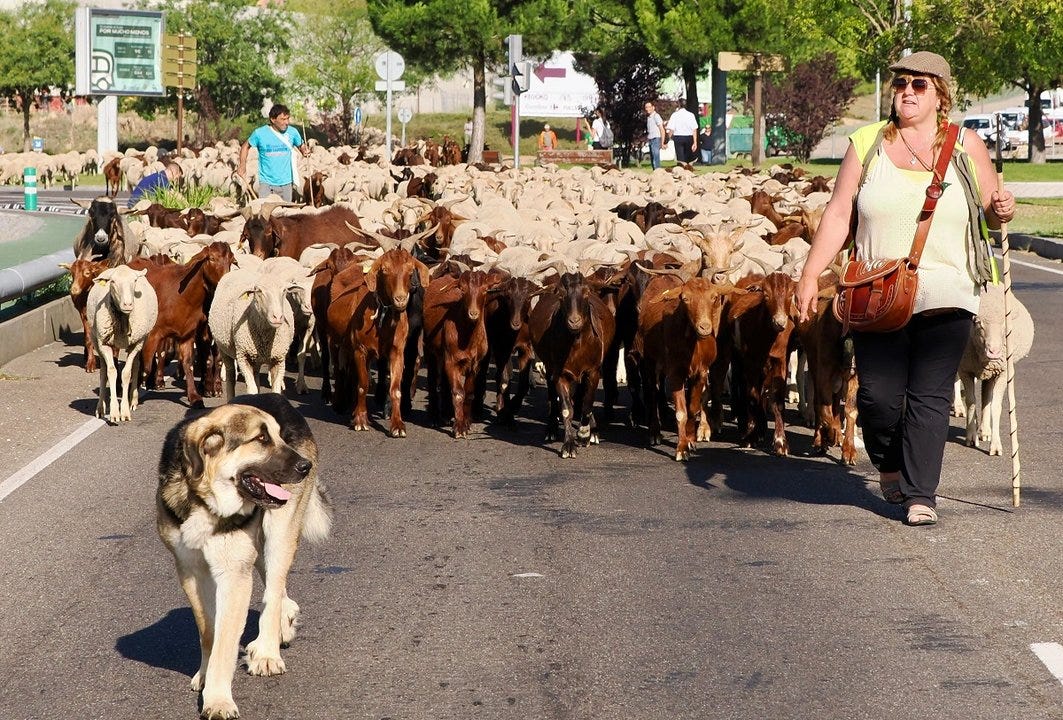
(921, 515)
(891, 492)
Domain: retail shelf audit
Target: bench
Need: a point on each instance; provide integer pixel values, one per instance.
(576, 157)
(490, 157)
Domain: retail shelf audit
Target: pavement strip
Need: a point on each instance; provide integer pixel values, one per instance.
(21, 477)
(1051, 654)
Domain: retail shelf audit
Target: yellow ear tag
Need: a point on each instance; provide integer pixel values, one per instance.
(668, 294)
(367, 266)
(247, 293)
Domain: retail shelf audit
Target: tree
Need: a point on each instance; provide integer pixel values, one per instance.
(1017, 43)
(446, 35)
(810, 99)
(608, 46)
(334, 52)
(238, 48)
(684, 34)
(37, 52)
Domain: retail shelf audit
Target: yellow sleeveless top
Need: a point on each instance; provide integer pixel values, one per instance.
(888, 206)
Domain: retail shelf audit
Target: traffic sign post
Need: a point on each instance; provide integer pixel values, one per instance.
(179, 61)
(389, 66)
(758, 64)
(405, 115)
(515, 51)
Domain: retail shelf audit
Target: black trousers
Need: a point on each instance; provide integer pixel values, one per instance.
(906, 387)
(684, 148)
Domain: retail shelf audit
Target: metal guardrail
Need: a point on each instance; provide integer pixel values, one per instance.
(29, 276)
(26, 277)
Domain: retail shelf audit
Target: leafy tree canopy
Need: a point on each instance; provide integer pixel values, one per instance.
(37, 51)
(334, 48)
(239, 48)
(442, 36)
(808, 100)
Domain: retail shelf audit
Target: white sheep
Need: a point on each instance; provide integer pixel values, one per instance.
(121, 310)
(300, 285)
(983, 368)
(253, 325)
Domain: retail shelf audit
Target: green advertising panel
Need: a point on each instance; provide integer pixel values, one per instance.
(126, 51)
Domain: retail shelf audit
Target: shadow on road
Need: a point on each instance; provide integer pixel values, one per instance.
(172, 643)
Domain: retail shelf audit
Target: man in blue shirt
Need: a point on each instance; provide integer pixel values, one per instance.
(161, 180)
(276, 144)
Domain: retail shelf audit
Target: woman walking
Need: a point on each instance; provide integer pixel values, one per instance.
(907, 376)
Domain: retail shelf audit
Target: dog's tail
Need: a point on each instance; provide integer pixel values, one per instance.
(318, 519)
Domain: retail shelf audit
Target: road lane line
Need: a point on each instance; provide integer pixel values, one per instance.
(1035, 266)
(1051, 654)
(20, 478)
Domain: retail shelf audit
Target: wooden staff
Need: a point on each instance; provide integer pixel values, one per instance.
(310, 180)
(1016, 467)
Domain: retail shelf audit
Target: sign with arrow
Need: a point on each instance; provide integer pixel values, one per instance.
(542, 72)
(556, 89)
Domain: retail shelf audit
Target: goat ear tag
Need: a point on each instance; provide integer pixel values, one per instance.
(367, 266)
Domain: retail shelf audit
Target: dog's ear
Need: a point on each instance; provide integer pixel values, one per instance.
(199, 442)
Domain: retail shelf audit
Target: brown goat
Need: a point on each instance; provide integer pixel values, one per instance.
(320, 295)
(570, 329)
(289, 235)
(764, 318)
(184, 293)
(455, 342)
(377, 327)
(82, 273)
(676, 343)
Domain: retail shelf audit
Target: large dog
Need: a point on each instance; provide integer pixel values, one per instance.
(238, 486)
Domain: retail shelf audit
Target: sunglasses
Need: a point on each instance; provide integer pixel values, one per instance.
(919, 84)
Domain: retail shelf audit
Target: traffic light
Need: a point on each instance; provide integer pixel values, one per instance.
(503, 89)
(516, 53)
(522, 77)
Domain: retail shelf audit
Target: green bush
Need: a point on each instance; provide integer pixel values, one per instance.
(185, 196)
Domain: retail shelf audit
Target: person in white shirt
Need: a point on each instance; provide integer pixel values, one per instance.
(654, 134)
(683, 129)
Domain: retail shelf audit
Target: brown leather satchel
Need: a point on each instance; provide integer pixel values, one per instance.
(879, 295)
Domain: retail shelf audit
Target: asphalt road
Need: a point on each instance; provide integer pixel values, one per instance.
(739, 585)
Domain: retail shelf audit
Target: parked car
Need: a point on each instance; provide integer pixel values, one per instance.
(986, 128)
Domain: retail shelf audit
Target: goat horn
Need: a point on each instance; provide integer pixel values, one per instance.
(658, 271)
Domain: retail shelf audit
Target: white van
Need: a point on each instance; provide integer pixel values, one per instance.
(986, 127)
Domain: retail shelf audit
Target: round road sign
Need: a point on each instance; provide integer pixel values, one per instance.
(389, 65)
(404, 115)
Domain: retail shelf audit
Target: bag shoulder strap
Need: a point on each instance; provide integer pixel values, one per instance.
(284, 138)
(933, 192)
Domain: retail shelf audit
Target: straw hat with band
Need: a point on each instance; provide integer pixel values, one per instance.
(924, 63)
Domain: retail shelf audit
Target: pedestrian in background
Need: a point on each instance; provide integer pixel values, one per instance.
(278, 168)
(149, 184)
(600, 131)
(468, 131)
(907, 376)
(654, 134)
(705, 139)
(683, 129)
(547, 138)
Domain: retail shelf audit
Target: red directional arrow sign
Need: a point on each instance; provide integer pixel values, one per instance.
(542, 72)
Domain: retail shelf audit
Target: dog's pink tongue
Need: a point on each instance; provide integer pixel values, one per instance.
(276, 491)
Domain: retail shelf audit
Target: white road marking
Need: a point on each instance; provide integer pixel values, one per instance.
(527, 575)
(1051, 654)
(20, 478)
(1034, 265)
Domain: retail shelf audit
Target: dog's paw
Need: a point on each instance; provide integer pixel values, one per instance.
(197, 681)
(262, 664)
(289, 620)
(222, 708)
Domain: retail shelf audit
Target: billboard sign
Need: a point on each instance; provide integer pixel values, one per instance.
(555, 89)
(119, 52)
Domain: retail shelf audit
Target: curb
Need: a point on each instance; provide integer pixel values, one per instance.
(57, 320)
(1047, 248)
